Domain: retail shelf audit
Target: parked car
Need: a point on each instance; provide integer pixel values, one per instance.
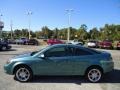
(106, 44)
(118, 45)
(93, 44)
(11, 41)
(61, 59)
(21, 41)
(33, 42)
(4, 45)
(54, 41)
(76, 42)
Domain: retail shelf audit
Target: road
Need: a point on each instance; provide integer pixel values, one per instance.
(111, 81)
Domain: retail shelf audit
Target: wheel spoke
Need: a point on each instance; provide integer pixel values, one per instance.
(94, 75)
(22, 74)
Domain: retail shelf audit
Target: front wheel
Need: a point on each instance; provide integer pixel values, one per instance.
(94, 75)
(23, 74)
(4, 48)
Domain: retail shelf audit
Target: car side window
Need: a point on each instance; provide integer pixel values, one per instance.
(70, 51)
(81, 52)
(56, 52)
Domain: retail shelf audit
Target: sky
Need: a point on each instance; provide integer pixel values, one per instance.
(52, 13)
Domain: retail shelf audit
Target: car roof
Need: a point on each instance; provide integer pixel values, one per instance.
(72, 45)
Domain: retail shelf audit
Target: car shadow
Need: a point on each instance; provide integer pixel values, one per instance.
(112, 77)
(5, 52)
(8, 50)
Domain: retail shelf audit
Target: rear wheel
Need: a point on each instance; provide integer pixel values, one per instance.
(94, 75)
(23, 74)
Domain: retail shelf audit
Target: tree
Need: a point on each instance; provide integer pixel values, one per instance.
(47, 32)
(73, 33)
(82, 32)
(17, 33)
(25, 32)
(55, 33)
(94, 33)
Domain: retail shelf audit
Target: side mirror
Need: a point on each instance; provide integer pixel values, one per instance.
(42, 56)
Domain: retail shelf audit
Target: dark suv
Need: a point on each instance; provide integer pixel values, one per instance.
(4, 45)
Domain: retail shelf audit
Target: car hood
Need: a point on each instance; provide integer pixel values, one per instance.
(22, 55)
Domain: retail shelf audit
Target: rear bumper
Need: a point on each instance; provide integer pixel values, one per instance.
(107, 66)
(9, 47)
(106, 47)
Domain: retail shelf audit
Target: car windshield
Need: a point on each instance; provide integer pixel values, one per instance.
(34, 52)
(107, 41)
(75, 40)
(92, 41)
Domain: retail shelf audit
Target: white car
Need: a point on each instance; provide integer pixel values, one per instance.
(76, 42)
(92, 44)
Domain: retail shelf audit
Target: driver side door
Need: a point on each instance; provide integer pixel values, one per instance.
(55, 62)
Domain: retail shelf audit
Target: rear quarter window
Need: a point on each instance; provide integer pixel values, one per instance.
(93, 51)
(82, 52)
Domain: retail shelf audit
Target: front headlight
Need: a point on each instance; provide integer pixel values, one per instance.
(8, 62)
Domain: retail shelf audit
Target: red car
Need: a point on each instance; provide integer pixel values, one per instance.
(54, 41)
(118, 45)
(106, 44)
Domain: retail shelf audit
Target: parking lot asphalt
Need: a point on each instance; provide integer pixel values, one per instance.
(110, 81)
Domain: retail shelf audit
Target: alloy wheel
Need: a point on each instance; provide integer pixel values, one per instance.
(94, 75)
(23, 74)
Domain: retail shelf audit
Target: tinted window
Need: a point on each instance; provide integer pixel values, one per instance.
(56, 52)
(70, 51)
(81, 52)
(94, 51)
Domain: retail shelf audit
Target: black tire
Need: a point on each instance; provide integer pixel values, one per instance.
(20, 76)
(111, 47)
(95, 71)
(118, 48)
(3, 48)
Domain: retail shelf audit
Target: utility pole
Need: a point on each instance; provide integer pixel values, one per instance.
(11, 26)
(29, 21)
(69, 11)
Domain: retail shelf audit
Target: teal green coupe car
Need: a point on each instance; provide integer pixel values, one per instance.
(60, 59)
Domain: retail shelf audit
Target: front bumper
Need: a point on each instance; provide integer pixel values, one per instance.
(118, 47)
(7, 69)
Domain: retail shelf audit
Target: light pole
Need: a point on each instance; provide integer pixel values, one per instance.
(29, 21)
(1, 26)
(69, 11)
(0, 16)
(11, 26)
